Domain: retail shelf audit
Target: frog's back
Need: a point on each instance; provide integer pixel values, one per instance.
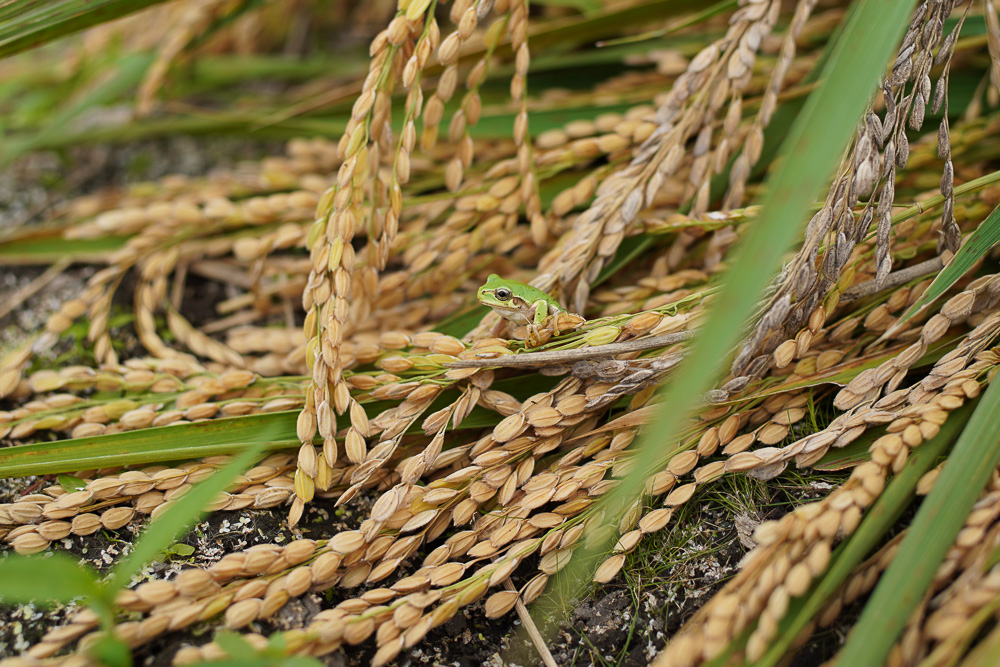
(532, 294)
(524, 291)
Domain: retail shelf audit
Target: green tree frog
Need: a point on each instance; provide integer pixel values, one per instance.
(526, 306)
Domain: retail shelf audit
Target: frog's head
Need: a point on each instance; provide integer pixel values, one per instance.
(495, 292)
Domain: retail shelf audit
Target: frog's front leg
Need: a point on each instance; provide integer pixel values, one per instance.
(541, 313)
(541, 309)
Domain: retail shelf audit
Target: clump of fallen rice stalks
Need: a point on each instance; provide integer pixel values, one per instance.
(352, 263)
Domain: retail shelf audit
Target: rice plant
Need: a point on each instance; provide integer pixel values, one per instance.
(765, 233)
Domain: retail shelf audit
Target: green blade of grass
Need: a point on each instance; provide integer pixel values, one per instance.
(235, 123)
(129, 70)
(178, 518)
(811, 151)
(548, 37)
(582, 6)
(931, 534)
(235, 645)
(58, 577)
(47, 247)
(869, 535)
(275, 430)
(986, 652)
(986, 235)
(815, 143)
(27, 25)
(243, 654)
(699, 17)
(565, 33)
(51, 578)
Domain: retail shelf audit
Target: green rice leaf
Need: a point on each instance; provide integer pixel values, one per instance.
(274, 430)
(870, 534)
(70, 483)
(178, 518)
(47, 248)
(53, 577)
(931, 534)
(811, 151)
(979, 243)
(986, 652)
(582, 6)
(815, 143)
(26, 25)
(235, 645)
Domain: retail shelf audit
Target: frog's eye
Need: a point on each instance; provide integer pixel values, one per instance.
(503, 294)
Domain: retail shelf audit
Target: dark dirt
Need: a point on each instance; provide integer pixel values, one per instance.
(622, 623)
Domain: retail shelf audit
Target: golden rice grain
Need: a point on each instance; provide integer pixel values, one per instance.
(500, 603)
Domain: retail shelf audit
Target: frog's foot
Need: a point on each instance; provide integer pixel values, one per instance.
(537, 336)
